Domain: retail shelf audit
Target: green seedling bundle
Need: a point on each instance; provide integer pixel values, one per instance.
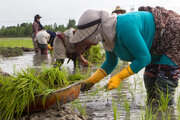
(19, 90)
(94, 54)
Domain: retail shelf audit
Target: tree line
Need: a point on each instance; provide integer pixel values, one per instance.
(25, 29)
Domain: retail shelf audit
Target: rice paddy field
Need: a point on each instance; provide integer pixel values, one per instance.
(16, 42)
(128, 102)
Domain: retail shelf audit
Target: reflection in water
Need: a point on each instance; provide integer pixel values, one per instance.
(29, 59)
(39, 59)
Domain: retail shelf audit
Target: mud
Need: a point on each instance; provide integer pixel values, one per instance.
(12, 52)
(4, 74)
(54, 113)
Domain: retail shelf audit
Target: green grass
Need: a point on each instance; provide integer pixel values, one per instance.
(16, 42)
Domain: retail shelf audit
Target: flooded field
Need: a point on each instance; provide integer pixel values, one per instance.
(128, 102)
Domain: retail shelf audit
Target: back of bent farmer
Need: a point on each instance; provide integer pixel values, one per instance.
(137, 37)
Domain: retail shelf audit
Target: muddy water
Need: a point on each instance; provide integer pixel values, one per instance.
(99, 105)
(29, 59)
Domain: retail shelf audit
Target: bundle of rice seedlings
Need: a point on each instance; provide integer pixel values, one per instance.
(17, 93)
(75, 77)
(53, 77)
(3, 80)
(93, 54)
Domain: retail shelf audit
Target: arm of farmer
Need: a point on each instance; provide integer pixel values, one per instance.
(84, 61)
(107, 67)
(136, 45)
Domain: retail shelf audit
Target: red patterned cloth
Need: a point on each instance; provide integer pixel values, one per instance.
(167, 36)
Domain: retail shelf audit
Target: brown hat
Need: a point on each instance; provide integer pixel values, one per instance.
(118, 9)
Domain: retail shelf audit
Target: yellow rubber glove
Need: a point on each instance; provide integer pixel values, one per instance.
(49, 47)
(96, 77)
(116, 80)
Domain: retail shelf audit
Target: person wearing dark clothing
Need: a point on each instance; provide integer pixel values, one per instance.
(36, 27)
(52, 36)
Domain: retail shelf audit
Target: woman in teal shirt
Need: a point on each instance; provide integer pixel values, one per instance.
(133, 37)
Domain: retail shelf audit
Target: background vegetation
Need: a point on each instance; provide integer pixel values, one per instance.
(25, 29)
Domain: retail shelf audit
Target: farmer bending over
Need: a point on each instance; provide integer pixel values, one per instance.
(43, 38)
(63, 49)
(147, 38)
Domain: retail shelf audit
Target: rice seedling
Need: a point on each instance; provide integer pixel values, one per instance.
(93, 54)
(19, 92)
(163, 99)
(119, 91)
(178, 107)
(166, 115)
(98, 89)
(81, 108)
(115, 109)
(75, 77)
(126, 105)
(135, 83)
(148, 113)
(131, 91)
(169, 114)
(53, 77)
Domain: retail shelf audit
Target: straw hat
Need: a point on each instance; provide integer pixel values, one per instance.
(87, 25)
(118, 9)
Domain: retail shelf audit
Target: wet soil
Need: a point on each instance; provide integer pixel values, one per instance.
(11, 52)
(54, 113)
(4, 74)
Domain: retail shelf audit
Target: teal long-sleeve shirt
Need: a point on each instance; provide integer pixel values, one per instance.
(134, 37)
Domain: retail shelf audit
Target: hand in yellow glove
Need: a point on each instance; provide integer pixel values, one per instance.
(49, 47)
(96, 77)
(116, 80)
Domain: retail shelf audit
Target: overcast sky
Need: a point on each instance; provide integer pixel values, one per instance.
(13, 12)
